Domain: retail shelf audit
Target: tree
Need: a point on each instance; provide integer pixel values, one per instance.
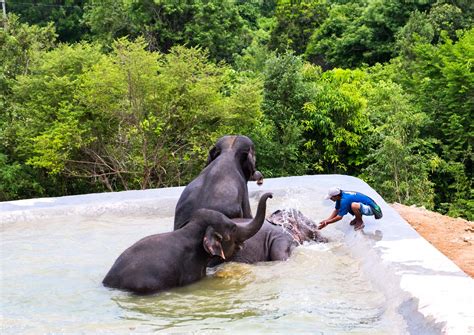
(21, 46)
(214, 25)
(449, 18)
(296, 21)
(360, 32)
(284, 95)
(443, 80)
(218, 27)
(400, 161)
(253, 58)
(334, 121)
(64, 15)
(45, 125)
(129, 119)
(161, 23)
(418, 29)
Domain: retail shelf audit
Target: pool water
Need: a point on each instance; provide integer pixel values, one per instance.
(52, 268)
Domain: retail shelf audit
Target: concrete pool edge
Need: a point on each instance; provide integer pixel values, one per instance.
(428, 290)
(432, 293)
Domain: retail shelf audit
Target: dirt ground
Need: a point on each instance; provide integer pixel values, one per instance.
(453, 237)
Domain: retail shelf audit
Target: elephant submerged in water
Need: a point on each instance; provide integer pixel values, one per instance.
(281, 232)
(163, 261)
(222, 184)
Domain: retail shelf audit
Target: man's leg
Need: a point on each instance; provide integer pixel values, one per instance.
(358, 223)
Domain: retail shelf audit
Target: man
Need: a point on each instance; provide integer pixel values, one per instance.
(356, 203)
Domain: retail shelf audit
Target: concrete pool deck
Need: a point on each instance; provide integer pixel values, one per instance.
(429, 290)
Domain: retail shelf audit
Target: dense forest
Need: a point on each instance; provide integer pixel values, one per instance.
(110, 95)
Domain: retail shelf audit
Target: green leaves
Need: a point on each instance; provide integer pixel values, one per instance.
(334, 120)
(384, 91)
(128, 119)
(399, 163)
(296, 21)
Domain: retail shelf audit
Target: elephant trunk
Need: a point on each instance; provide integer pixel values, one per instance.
(258, 177)
(247, 231)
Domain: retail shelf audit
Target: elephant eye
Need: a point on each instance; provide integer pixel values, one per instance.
(218, 236)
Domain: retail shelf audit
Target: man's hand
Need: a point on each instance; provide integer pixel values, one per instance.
(322, 224)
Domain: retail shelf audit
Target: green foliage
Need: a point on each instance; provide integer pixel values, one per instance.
(254, 57)
(214, 25)
(65, 15)
(284, 95)
(15, 181)
(296, 21)
(341, 40)
(128, 119)
(454, 193)
(444, 78)
(44, 125)
(143, 94)
(110, 19)
(359, 32)
(444, 74)
(218, 27)
(449, 18)
(335, 121)
(418, 29)
(399, 160)
(20, 44)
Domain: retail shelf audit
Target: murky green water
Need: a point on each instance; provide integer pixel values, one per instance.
(51, 273)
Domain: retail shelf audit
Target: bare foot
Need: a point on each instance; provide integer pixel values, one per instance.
(353, 222)
(359, 225)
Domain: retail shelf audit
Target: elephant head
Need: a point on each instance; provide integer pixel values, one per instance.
(300, 227)
(239, 146)
(245, 229)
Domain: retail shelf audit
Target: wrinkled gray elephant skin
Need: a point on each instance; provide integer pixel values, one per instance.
(281, 232)
(163, 261)
(222, 184)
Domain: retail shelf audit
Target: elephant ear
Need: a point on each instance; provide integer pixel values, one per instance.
(213, 154)
(247, 161)
(212, 243)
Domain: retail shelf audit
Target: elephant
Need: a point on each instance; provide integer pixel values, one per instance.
(258, 177)
(282, 231)
(163, 261)
(222, 184)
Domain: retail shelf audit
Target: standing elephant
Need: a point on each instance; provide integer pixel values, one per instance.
(163, 261)
(222, 185)
(280, 234)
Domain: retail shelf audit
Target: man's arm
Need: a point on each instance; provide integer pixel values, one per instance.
(334, 217)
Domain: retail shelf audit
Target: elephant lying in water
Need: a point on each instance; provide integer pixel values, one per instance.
(163, 261)
(281, 232)
(222, 184)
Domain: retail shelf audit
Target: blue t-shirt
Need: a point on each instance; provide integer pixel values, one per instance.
(348, 197)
